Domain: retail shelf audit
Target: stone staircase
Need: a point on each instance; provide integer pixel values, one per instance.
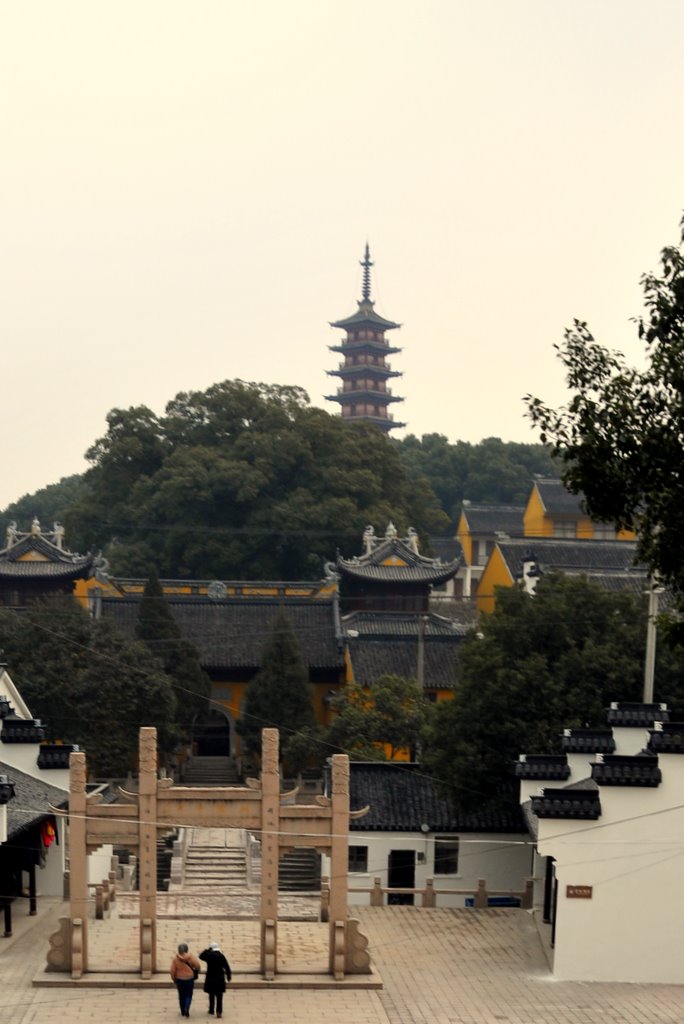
(210, 771)
(300, 871)
(215, 861)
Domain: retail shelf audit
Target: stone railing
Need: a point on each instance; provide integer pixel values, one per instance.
(428, 895)
(105, 895)
(252, 859)
(178, 854)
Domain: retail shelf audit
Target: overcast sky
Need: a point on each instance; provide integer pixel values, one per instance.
(186, 190)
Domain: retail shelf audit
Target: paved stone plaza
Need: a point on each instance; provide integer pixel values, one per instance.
(437, 966)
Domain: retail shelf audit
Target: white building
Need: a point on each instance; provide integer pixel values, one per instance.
(411, 834)
(614, 836)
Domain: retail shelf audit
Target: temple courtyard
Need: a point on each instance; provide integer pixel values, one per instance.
(436, 967)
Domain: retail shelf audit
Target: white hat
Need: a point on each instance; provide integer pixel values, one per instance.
(213, 945)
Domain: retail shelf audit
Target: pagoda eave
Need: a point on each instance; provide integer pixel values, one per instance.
(380, 397)
(368, 371)
(367, 345)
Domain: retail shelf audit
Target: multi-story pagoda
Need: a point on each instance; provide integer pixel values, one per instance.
(364, 394)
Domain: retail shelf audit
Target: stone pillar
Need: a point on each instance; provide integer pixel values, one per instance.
(339, 862)
(78, 863)
(147, 800)
(270, 849)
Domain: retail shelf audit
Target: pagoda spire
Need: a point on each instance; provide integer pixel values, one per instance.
(366, 263)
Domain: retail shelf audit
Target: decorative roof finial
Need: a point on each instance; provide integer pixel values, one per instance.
(366, 263)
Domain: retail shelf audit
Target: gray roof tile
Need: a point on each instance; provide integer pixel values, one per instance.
(402, 798)
(233, 632)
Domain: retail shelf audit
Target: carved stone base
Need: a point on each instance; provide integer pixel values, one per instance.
(356, 954)
(269, 949)
(59, 953)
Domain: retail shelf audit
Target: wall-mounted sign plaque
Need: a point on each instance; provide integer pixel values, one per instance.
(579, 892)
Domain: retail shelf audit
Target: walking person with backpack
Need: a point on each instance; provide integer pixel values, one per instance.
(218, 974)
(185, 968)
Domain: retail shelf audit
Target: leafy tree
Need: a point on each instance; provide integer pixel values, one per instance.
(538, 665)
(493, 471)
(242, 481)
(375, 723)
(279, 696)
(89, 684)
(50, 504)
(620, 438)
(306, 748)
(159, 631)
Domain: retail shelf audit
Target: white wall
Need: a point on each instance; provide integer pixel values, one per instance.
(100, 864)
(9, 690)
(504, 861)
(632, 929)
(50, 879)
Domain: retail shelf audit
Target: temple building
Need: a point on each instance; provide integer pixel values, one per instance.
(387, 624)
(36, 564)
(391, 575)
(364, 394)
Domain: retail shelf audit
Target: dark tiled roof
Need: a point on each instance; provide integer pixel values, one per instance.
(53, 562)
(372, 658)
(448, 549)
(401, 799)
(233, 632)
(365, 314)
(55, 755)
(542, 766)
(44, 570)
(623, 770)
(556, 499)
(633, 715)
(588, 741)
(416, 568)
(398, 573)
(22, 730)
(396, 624)
(492, 519)
(668, 739)
(31, 800)
(567, 803)
(592, 557)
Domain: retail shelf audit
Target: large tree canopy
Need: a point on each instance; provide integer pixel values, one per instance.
(493, 471)
(620, 439)
(280, 695)
(88, 683)
(243, 481)
(161, 634)
(538, 665)
(375, 723)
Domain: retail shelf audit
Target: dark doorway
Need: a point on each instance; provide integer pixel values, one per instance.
(401, 874)
(212, 736)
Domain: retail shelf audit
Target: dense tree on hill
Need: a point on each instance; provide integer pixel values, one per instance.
(279, 696)
(249, 481)
(87, 683)
(159, 631)
(243, 481)
(620, 438)
(50, 504)
(492, 471)
(538, 665)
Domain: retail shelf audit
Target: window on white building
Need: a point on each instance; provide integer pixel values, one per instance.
(446, 855)
(358, 858)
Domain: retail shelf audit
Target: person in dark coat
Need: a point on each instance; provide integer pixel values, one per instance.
(218, 973)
